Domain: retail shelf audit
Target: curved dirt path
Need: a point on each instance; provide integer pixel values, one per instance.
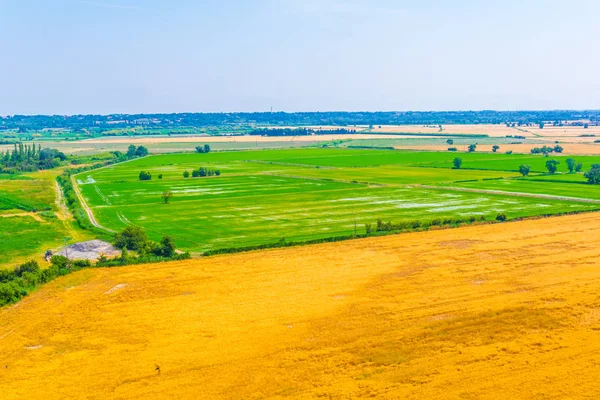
(63, 212)
(28, 214)
(86, 208)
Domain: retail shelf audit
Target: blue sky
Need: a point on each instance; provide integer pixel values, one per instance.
(112, 56)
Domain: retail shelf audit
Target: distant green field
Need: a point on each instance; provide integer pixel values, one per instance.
(264, 196)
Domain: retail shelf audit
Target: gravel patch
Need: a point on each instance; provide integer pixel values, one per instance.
(91, 250)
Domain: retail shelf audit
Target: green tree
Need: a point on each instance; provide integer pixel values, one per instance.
(131, 151)
(167, 196)
(186, 174)
(160, 176)
(472, 148)
(495, 148)
(571, 165)
(593, 175)
(145, 176)
(199, 149)
(141, 151)
(457, 162)
(131, 238)
(524, 169)
(542, 124)
(450, 142)
(167, 246)
(578, 167)
(501, 217)
(552, 166)
(206, 148)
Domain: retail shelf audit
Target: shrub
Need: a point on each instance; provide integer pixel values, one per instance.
(501, 217)
(145, 176)
(452, 149)
(186, 174)
(167, 247)
(166, 196)
(472, 148)
(457, 162)
(131, 238)
(593, 175)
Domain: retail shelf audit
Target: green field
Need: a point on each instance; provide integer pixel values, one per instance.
(23, 235)
(264, 196)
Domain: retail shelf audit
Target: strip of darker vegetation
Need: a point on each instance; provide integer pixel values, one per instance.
(389, 228)
(18, 283)
(28, 277)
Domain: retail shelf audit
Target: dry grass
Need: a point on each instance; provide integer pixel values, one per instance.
(499, 311)
(479, 129)
(232, 139)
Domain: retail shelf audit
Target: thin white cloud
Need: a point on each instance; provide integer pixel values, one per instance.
(111, 5)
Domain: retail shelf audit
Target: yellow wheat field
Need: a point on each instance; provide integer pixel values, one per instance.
(499, 312)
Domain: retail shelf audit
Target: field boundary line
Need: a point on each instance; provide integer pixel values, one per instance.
(514, 194)
(85, 206)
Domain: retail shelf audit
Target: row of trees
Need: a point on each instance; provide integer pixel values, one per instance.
(18, 283)
(27, 158)
(301, 131)
(133, 238)
(202, 172)
(134, 152)
(551, 166)
(547, 150)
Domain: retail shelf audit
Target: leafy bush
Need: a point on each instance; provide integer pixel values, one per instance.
(457, 162)
(501, 217)
(145, 176)
(131, 238)
(593, 175)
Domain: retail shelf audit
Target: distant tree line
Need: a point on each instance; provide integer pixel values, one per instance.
(300, 132)
(202, 172)
(25, 123)
(547, 150)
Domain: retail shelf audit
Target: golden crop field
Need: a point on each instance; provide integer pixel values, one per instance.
(494, 311)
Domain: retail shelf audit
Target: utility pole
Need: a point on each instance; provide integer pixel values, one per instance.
(66, 247)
